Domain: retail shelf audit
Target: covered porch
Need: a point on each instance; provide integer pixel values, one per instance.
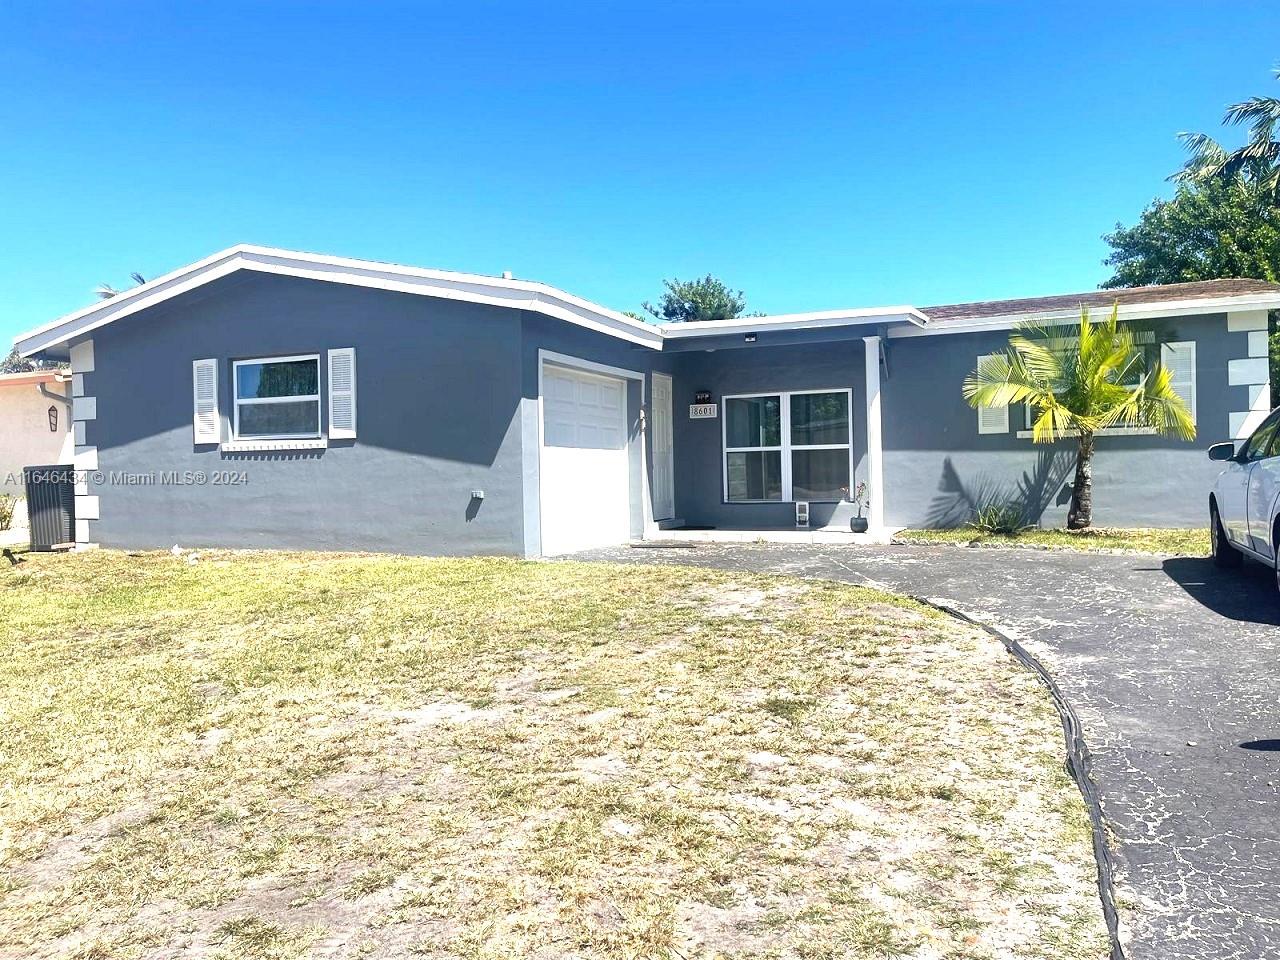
(773, 428)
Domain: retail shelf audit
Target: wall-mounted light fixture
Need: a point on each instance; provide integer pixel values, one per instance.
(53, 419)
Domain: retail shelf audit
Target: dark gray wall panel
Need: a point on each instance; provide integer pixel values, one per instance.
(938, 467)
(759, 368)
(439, 400)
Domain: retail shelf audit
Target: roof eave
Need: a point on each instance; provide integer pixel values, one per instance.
(516, 294)
(1155, 310)
(796, 321)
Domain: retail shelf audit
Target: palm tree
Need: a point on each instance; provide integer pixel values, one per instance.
(1077, 386)
(106, 291)
(1256, 163)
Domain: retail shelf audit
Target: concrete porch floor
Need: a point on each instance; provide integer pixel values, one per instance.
(827, 535)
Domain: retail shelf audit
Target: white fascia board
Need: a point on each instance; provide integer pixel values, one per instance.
(794, 321)
(517, 294)
(1135, 311)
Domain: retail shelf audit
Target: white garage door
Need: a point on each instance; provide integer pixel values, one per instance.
(584, 474)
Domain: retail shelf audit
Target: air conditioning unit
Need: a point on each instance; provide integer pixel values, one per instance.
(802, 513)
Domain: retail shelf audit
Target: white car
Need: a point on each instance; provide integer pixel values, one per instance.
(1244, 508)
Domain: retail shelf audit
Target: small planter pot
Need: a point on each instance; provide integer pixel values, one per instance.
(858, 524)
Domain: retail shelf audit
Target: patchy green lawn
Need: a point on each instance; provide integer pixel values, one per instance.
(259, 755)
(1190, 543)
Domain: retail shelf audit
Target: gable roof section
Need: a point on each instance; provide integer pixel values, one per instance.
(474, 288)
(1203, 295)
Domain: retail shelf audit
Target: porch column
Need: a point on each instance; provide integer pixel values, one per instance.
(875, 448)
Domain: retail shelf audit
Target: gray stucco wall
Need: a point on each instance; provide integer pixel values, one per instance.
(768, 365)
(938, 467)
(447, 396)
(439, 401)
(448, 404)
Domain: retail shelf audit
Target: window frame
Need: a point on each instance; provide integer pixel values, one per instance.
(785, 448)
(294, 398)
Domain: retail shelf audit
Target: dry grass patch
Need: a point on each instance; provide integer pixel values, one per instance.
(1169, 542)
(300, 755)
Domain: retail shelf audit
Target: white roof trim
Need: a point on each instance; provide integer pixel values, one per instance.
(474, 288)
(794, 321)
(552, 302)
(1154, 310)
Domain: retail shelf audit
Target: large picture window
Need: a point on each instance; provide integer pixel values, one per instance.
(277, 398)
(787, 446)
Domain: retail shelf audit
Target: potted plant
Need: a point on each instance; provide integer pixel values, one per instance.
(859, 523)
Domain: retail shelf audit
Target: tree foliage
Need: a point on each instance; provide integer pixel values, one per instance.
(684, 301)
(1257, 163)
(1206, 232)
(14, 363)
(1077, 382)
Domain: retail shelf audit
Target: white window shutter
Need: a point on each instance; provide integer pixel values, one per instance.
(206, 424)
(342, 394)
(1180, 360)
(992, 419)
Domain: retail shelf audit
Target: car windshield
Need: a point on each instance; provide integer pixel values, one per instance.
(1260, 443)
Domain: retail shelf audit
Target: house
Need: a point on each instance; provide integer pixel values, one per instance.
(35, 424)
(268, 398)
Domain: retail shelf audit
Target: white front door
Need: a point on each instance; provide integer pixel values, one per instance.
(585, 474)
(664, 469)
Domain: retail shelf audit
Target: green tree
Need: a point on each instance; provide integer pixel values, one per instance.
(687, 300)
(1077, 385)
(1256, 163)
(15, 363)
(1205, 232)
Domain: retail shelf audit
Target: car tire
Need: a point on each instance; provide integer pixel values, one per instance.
(1224, 555)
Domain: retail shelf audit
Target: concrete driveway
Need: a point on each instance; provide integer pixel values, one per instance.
(1173, 668)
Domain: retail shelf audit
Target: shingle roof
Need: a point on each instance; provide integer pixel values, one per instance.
(1098, 298)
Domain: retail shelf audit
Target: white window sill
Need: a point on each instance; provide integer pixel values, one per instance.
(1108, 432)
(248, 446)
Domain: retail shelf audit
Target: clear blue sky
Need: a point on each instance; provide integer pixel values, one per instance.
(816, 155)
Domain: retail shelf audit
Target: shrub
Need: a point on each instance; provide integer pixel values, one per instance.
(1000, 519)
(7, 506)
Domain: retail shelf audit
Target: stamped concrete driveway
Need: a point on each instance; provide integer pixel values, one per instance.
(1172, 668)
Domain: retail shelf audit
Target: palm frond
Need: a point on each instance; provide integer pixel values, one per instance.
(1207, 159)
(999, 380)
(1101, 377)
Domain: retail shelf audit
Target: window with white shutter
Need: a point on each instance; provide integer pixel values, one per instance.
(1179, 359)
(342, 393)
(992, 419)
(206, 424)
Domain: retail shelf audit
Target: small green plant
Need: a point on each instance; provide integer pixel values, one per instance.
(7, 507)
(1000, 519)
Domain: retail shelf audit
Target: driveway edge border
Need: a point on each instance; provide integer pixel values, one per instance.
(1079, 763)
